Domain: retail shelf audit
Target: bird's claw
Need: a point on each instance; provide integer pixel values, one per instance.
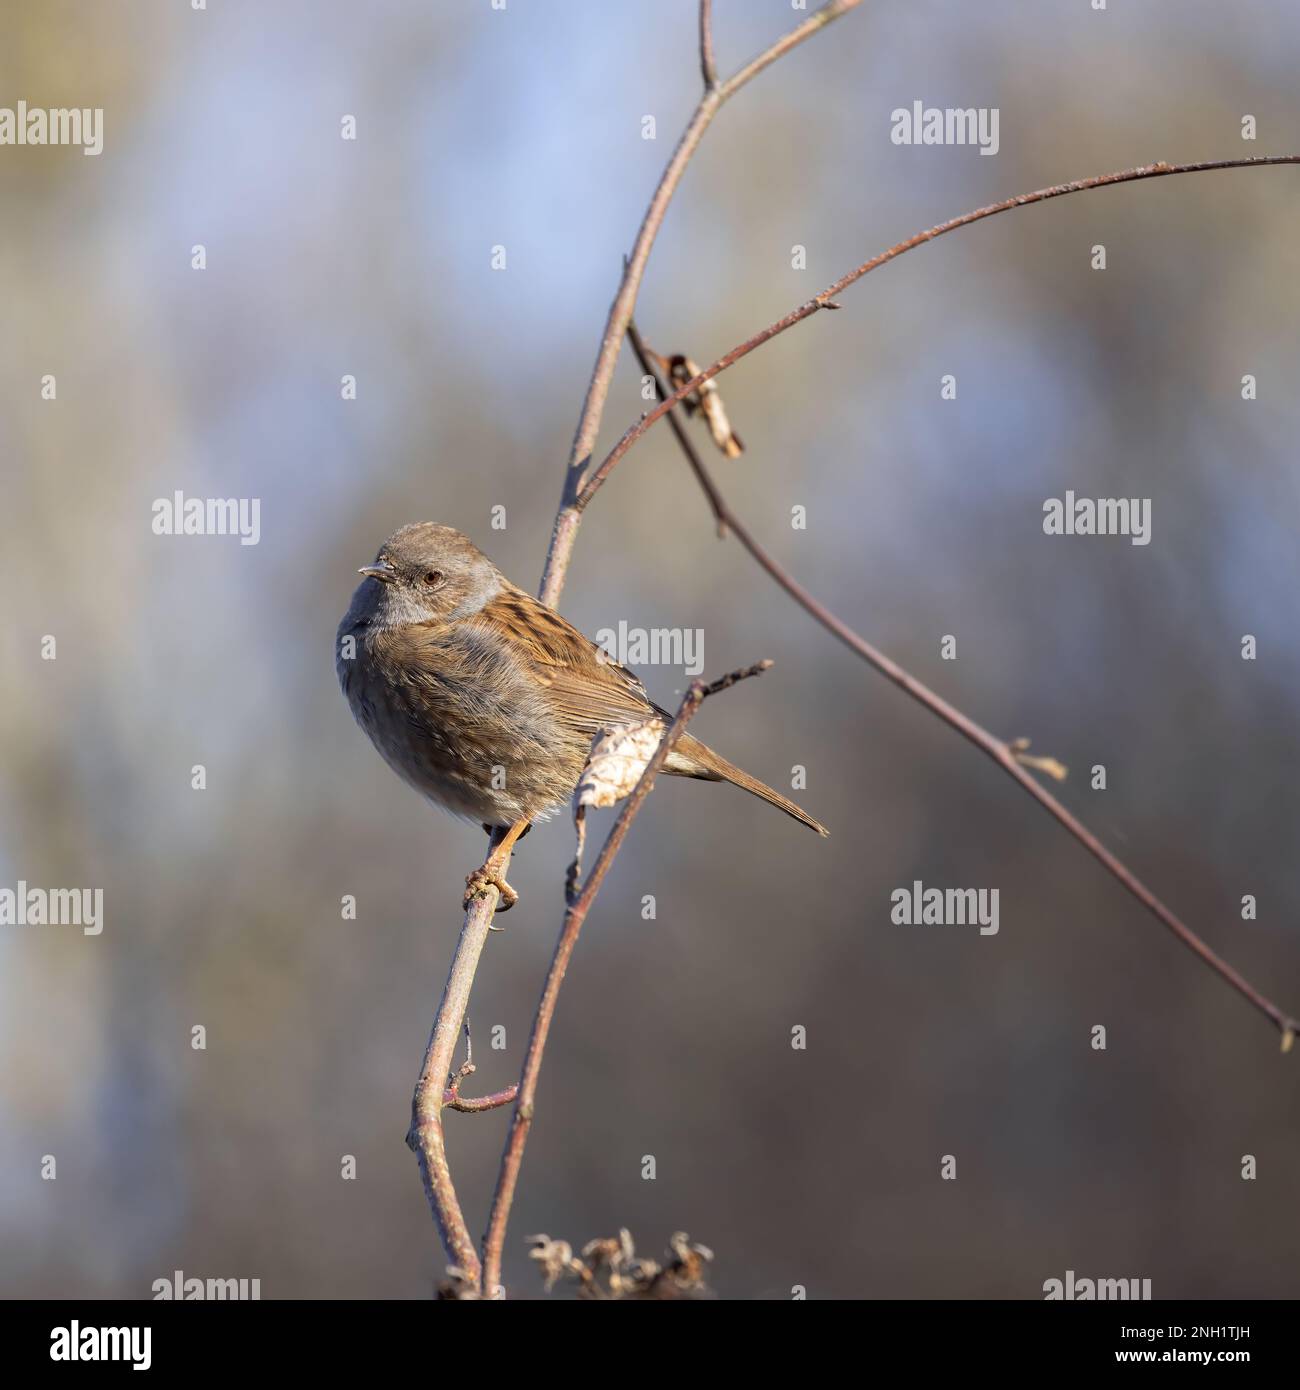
(486, 877)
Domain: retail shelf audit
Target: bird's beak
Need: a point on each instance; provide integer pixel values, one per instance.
(384, 572)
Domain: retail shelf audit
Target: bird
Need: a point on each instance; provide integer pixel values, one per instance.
(485, 700)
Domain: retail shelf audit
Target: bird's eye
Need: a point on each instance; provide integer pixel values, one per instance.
(433, 578)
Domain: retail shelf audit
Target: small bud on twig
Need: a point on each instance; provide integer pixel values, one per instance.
(1051, 766)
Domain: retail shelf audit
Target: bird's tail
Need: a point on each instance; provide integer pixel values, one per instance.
(691, 758)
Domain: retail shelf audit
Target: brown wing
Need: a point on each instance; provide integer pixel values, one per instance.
(589, 691)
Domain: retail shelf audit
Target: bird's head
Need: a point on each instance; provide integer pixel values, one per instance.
(423, 573)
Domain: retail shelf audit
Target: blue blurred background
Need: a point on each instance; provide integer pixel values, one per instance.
(522, 128)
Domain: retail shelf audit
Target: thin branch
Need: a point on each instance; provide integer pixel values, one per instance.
(475, 1105)
(453, 1100)
(815, 21)
(708, 64)
(426, 1136)
(567, 518)
(717, 503)
(1006, 754)
(826, 299)
(575, 915)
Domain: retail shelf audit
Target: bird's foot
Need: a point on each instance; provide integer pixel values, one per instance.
(490, 875)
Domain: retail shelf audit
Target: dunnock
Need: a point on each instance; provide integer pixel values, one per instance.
(485, 700)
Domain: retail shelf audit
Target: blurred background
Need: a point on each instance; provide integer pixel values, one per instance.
(522, 128)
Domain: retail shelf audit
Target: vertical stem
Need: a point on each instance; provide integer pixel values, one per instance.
(708, 64)
(426, 1135)
(567, 519)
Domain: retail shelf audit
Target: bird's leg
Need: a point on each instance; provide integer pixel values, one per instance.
(493, 870)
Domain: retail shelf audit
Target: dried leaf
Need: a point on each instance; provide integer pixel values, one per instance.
(616, 762)
(708, 399)
(610, 1268)
(556, 1260)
